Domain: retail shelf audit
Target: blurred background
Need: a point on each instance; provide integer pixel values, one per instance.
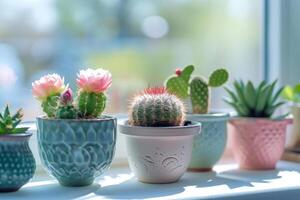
(141, 42)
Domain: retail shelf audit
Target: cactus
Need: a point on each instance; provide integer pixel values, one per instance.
(50, 105)
(66, 109)
(90, 104)
(156, 107)
(198, 89)
(250, 101)
(9, 123)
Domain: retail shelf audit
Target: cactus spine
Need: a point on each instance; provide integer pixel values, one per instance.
(91, 104)
(198, 89)
(156, 107)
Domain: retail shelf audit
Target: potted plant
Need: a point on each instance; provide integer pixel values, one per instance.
(159, 140)
(76, 142)
(257, 137)
(209, 146)
(292, 94)
(17, 164)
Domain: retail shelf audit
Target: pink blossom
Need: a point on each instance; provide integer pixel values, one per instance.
(94, 80)
(48, 85)
(66, 97)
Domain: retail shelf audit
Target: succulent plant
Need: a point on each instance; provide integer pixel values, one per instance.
(249, 101)
(291, 93)
(91, 100)
(48, 90)
(156, 107)
(9, 123)
(198, 89)
(66, 109)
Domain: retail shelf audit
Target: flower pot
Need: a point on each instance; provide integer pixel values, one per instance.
(294, 142)
(208, 146)
(76, 151)
(159, 154)
(17, 164)
(258, 143)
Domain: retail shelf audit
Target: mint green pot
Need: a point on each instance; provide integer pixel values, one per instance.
(75, 151)
(208, 146)
(17, 164)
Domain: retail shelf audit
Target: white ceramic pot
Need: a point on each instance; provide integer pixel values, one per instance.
(159, 154)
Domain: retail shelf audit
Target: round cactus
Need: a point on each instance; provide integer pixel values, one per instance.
(91, 104)
(156, 107)
(50, 105)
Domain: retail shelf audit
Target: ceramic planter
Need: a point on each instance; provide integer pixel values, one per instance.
(294, 142)
(76, 151)
(159, 154)
(17, 164)
(258, 143)
(208, 146)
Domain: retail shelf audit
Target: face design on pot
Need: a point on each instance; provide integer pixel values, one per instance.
(158, 159)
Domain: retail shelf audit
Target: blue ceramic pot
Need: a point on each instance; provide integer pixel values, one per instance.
(209, 146)
(17, 164)
(76, 151)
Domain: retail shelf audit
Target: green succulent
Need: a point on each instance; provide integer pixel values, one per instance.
(250, 101)
(9, 123)
(291, 93)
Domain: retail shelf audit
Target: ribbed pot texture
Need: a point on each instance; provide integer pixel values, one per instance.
(17, 164)
(258, 143)
(76, 151)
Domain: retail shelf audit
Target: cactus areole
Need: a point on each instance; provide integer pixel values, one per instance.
(196, 88)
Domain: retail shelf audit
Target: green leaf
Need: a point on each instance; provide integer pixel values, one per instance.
(231, 94)
(250, 93)
(239, 90)
(288, 93)
(19, 130)
(262, 99)
(6, 112)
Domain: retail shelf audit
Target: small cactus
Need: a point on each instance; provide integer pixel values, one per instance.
(91, 104)
(198, 89)
(156, 107)
(66, 109)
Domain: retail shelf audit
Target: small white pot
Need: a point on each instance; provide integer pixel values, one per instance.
(159, 154)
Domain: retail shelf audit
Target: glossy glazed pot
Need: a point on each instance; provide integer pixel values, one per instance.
(258, 143)
(209, 146)
(159, 154)
(17, 164)
(76, 151)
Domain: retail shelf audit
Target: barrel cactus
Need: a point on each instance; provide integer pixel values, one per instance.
(196, 88)
(156, 107)
(91, 99)
(48, 90)
(57, 100)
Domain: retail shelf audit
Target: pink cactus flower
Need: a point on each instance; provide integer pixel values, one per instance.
(94, 80)
(66, 97)
(48, 85)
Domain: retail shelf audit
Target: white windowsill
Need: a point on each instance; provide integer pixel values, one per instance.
(226, 182)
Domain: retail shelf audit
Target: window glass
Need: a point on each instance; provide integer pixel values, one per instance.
(141, 42)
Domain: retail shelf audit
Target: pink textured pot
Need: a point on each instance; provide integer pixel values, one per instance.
(258, 143)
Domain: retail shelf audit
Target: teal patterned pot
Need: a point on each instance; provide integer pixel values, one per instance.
(17, 164)
(209, 146)
(76, 151)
